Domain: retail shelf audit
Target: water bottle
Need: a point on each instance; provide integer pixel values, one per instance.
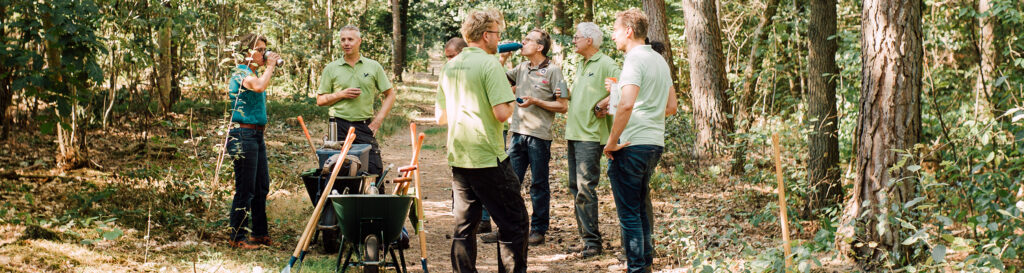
(267, 53)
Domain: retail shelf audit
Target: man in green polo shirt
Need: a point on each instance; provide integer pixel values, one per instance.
(349, 87)
(637, 136)
(474, 99)
(587, 133)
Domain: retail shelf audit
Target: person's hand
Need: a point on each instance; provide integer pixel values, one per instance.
(272, 58)
(613, 147)
(603, 105)
(527, 101)
(608, 85)
(558, 92)
(504, 56)
(374, 126)
(350, 93)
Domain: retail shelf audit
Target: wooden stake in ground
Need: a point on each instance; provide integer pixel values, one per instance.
(782, 200)
(311, 225)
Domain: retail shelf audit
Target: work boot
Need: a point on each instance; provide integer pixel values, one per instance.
(489, 238)
(244, 245)
(591, 251)
(262, 240)
(536, 238)
(485, 227)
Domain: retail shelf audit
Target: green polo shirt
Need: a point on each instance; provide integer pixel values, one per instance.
(471, 84)
(587, 90)
(367, 75)
(648, 70)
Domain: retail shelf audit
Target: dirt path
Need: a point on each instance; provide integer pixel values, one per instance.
(549, 257)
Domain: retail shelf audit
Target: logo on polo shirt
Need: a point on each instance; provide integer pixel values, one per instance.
(366, 75)
(591, 74)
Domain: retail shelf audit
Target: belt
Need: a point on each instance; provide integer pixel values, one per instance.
(252, 126)
(365, 121)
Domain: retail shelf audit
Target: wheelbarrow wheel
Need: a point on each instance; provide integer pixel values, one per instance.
(330, 241)
(372, 244)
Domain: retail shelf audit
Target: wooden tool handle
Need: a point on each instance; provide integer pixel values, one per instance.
(316, 159)
(308, 231)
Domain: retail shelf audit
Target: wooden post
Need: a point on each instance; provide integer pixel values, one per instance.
(782, 200)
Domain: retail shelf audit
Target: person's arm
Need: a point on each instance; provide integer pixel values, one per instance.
(625, 109)
(502, 112)
(559, 105)
(440, 115)
(332, 98)
(673, 104)
(385, 108)
(260, 84)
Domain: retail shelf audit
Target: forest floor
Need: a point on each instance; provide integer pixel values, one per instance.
(146, 203)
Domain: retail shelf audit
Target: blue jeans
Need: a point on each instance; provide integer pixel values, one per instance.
(534, 153)
(584, 174)
(630, 174)
(252, 183)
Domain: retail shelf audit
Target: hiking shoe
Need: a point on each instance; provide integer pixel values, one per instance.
(262, 240)
(536, 238)
(485, 227)
(489, 238)
(244, 245)
(591, 251)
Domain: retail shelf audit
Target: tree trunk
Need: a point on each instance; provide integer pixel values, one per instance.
(561, 20)
(588, 10)
(986, 100)
(889, 118)
(164, 65)
(6, 79)
(398, 23)
(750, 75)
(823, 140)
(657, 31)
(70, 148)
(707, 80)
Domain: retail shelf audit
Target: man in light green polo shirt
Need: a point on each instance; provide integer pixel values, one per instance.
(637, 136)
(474, 99)
(349, 87)
(587, 133)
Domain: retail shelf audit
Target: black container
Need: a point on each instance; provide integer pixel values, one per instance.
(328, 224)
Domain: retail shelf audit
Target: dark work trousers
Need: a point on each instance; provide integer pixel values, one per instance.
(363, 136)
(584, 174)
(252, 183)
(486, 216)
(497, 189)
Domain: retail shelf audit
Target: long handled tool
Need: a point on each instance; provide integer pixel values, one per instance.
(782, 200)
(419, 196)
(310, 140)
(311, 225)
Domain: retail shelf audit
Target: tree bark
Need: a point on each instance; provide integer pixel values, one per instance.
(750, 75)
(889, 118)
(398, 23)
(822, 116)
(559, 16)
(164, 66)
(708, 84)
(70, 148)
(6, 79)
(588, 10)
(986, 99)
(657, 31)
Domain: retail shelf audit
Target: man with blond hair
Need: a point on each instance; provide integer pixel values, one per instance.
(637, 136)
(474, 99)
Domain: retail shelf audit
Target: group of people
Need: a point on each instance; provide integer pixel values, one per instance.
(348, 88)
(618, 112)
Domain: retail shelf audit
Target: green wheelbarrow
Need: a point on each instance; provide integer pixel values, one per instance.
(370, 224)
